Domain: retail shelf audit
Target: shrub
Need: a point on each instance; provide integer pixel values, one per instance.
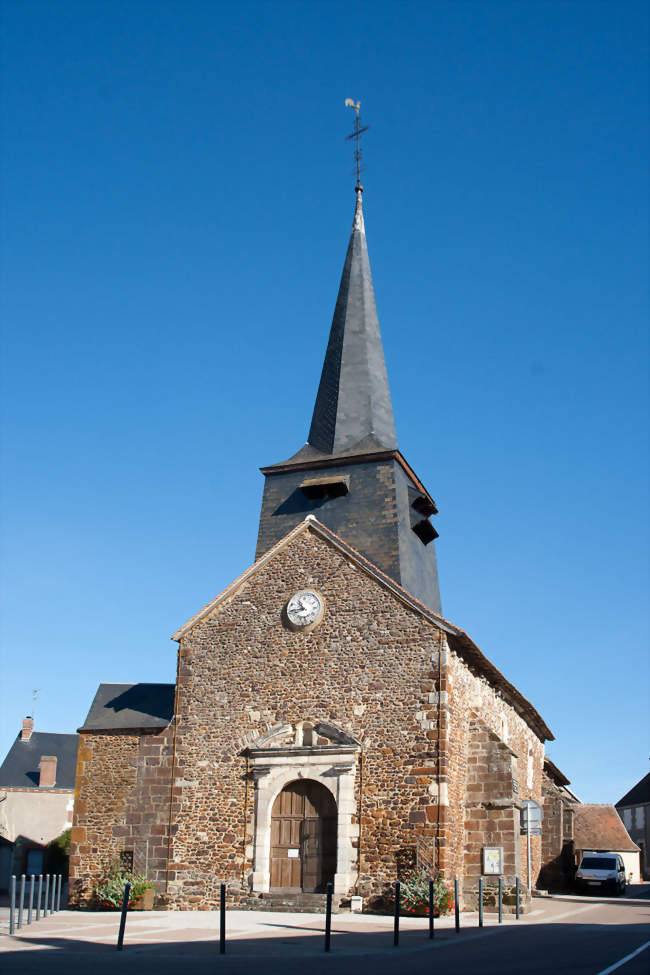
(109, 889)
(414, 894)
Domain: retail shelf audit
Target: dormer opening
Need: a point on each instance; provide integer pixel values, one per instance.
(320, 488)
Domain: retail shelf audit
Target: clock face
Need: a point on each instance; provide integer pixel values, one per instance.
(304, 608)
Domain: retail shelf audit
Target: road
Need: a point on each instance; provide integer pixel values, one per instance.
(580, 935)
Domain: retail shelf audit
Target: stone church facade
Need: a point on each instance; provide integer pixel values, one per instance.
(327, 722)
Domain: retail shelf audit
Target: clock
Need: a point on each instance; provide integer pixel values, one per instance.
(305, 609)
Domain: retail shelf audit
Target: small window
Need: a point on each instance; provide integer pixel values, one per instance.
(126, 860)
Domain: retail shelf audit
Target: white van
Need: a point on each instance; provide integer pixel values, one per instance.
(604, 871)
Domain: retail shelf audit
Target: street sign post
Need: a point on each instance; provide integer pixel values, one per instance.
(531, 824)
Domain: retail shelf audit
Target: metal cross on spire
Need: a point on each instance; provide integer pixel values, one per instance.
(356, 135)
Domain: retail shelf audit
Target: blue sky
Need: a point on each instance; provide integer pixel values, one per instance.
(176, 200)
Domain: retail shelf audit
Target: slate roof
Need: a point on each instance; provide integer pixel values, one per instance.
(458, 640)
(638, 794)
(353, 408)
(20, 769)
(120, 706)
(599, 828)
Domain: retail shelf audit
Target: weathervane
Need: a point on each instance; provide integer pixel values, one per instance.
(356, 135)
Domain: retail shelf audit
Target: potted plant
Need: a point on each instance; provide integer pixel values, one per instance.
(142, 893)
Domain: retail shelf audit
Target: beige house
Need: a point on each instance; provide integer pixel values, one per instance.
(36, 798)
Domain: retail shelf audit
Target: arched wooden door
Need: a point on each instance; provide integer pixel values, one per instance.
(303, 838)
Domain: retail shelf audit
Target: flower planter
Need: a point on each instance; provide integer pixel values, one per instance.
(145, 902)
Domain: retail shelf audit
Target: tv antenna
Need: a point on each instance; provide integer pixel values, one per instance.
(356, 135)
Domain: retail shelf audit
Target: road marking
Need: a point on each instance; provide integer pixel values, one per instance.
(617, 964)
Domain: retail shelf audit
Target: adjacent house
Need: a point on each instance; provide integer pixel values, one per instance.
(634, 810)
(36, 798)
(598, 829)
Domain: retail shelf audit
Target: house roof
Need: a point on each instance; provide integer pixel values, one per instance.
(458, 640)
(599, 828)
(638, 794)
(20, 769)
(120, 706)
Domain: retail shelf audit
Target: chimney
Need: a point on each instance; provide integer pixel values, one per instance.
(28, 727)
(48, 771)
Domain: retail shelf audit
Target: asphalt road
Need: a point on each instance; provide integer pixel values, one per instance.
(581, 936)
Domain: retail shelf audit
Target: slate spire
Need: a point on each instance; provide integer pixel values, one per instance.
(353, 407)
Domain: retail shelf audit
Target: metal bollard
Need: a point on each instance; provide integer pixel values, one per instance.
(31, 899)
(222, 921)
(517, 898)
(53, 890)
(39, 896)
(12, 904)
(328, 916)
(47, 891)
(21, 900)
(456, 905)
(480, 902)
(396, 917)
(58, 893)
(431, 908)
(500, 900)
(125, 907)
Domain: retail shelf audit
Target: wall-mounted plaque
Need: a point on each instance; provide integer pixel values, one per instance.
(293, 854)
(493, 860)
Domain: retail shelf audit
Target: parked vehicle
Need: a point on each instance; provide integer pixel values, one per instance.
(601, 871)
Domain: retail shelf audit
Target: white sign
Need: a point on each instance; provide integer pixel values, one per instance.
(293, 854)
(493, 860)
(531, 812)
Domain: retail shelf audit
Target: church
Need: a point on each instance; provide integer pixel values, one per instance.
(327, 723)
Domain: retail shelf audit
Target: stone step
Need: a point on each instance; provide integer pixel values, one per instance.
(290, 903)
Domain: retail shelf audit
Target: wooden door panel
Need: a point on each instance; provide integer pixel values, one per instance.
(303, 819)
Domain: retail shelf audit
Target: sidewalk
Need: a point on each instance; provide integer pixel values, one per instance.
(259, 934)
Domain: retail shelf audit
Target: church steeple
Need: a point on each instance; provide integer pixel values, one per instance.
(353, 407)
(350, 473)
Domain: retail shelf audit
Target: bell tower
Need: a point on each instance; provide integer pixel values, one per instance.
(350, 474)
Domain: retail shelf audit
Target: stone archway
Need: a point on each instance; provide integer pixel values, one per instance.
(303, 838)
(280, 757)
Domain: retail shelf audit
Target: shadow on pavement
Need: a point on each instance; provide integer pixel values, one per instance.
(529, 949)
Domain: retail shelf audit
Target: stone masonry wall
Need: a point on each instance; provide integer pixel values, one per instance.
(122, 804)
(469, 696)
(374, 667)
(371, 668)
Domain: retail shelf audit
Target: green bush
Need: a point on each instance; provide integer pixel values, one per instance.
(108, 893)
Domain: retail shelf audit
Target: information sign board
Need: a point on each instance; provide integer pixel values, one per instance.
(493, 860)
